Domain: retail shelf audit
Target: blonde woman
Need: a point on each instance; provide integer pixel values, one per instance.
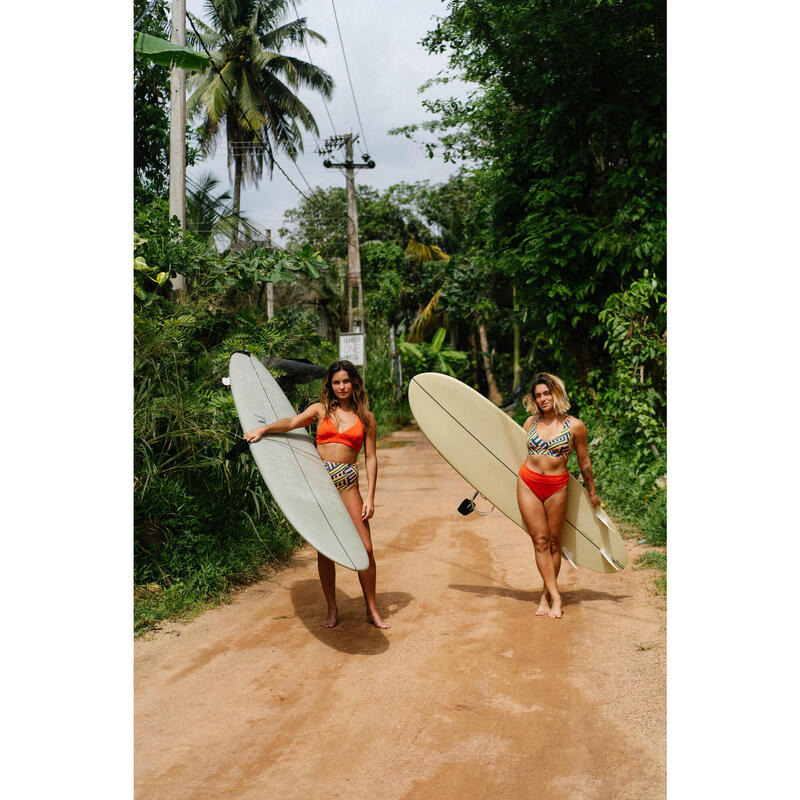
(344, 424)
(543, 478)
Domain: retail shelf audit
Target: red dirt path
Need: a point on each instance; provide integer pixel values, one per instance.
(468, 695)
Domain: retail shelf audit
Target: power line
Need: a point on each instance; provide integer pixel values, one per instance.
(349, 80)
(149, 9)
(324, 102)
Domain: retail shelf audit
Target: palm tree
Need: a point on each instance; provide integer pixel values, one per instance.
(253, 86)
(208, 214)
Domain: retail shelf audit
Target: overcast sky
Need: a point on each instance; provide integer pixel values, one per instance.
(386, 70)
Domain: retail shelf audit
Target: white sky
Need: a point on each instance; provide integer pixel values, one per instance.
(386, 70)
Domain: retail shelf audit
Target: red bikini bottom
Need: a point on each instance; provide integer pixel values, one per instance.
(543, 485)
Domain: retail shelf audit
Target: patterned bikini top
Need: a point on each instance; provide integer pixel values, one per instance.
(559, 446)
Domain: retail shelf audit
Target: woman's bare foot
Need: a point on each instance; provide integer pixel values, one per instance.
(374, 618)
(544, 606)
(555, 610)
(332, 620)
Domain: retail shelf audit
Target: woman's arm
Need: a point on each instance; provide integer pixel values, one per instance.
(371, 458)
(286, 424)
(526, 426)
(581, 437)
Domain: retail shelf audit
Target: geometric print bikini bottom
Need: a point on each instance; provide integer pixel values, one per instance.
(342, 475)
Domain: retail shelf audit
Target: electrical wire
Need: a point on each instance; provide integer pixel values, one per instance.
(149, 9)
(349, 79)
(324, 102)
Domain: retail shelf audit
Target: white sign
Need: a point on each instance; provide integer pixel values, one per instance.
(352, 347)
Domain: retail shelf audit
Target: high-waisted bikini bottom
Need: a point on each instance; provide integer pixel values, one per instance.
(543, 485)
(343, 475)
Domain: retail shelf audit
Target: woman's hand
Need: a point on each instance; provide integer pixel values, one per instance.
(594, 498)
(254, 435)
(368, 509)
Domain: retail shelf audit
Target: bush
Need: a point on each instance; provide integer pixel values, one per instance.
(202, 524)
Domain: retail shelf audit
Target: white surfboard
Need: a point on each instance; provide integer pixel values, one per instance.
(291, 467)
(486, 447)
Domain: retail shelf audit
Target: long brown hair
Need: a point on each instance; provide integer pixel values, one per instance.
(556, 386)
(360, 399)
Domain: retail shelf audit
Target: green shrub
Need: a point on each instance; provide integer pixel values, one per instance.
(202, 524)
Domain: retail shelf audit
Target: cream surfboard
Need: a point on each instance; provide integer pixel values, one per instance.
(486, 447)
(291, 467)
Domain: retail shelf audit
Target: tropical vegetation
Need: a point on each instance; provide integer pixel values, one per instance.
(545, 250)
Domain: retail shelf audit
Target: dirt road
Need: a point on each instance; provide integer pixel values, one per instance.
(468, 695)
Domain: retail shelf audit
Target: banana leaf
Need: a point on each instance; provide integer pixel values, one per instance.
(167, 54)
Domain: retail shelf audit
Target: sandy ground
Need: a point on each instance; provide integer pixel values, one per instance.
(468, 695)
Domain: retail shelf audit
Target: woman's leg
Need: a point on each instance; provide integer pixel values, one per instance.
(354, 503)
(555, 507)
(327, 577)
(533, 515)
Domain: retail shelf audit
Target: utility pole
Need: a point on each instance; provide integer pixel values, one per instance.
(355, 322)
(177, 135)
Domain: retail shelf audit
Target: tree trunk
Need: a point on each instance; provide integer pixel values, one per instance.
(476, 381)
(494, 394)
(237, 196)
(517, 366)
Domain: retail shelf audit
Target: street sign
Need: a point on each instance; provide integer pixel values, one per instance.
(353, 347)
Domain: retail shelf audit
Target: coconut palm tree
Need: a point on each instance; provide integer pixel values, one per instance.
(253, 87)
(209, 214)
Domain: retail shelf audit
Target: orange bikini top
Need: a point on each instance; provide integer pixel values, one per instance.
(353, 437)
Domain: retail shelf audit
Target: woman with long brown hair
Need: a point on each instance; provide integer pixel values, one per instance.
(344, 424)
(543, 478)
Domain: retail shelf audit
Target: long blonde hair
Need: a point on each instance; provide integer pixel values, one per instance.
(556, 386)
(360, 399)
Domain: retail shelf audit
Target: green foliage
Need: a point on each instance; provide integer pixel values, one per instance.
(167, 54)
(391, 412)
(434, 356)
(388, 216)
(209, 213)
(151, 112)
(628, 474)
(202, 524)
(652, 559)
(566, 132)
(635, 321)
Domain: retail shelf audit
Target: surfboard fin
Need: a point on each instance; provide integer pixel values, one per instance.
(610, 560)
(603, 517)
(568, 556)
(226, 381)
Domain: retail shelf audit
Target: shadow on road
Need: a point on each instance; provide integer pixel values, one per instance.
(353, 635)
(568, 597)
